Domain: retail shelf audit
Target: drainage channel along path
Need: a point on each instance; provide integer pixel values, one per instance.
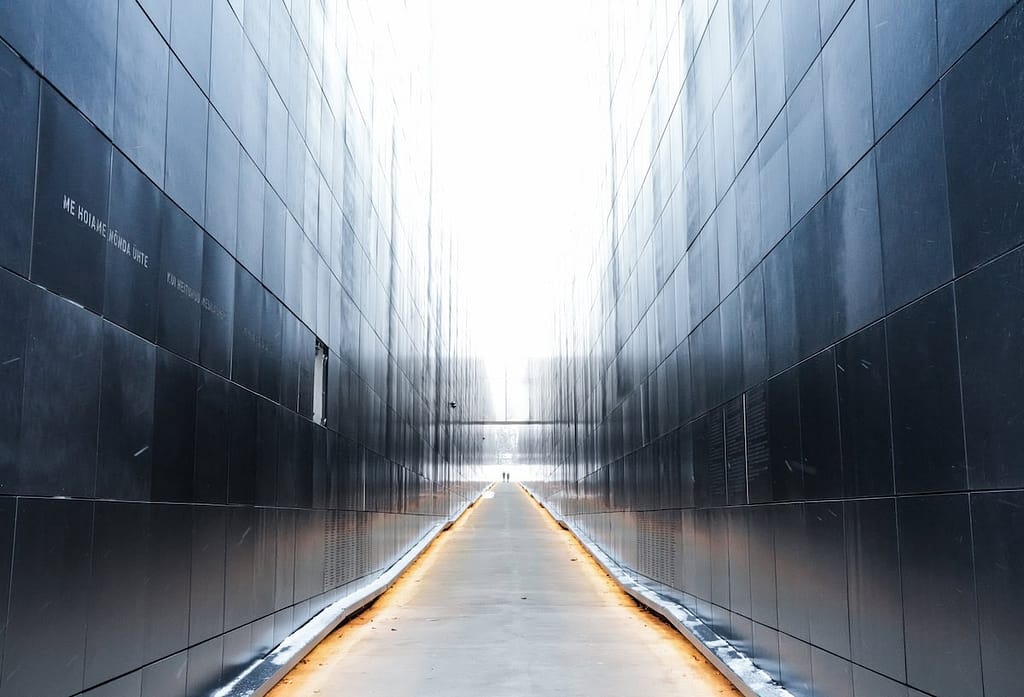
(505, 604)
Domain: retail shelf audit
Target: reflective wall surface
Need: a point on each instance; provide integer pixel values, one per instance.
(229, 335)
(790, 382)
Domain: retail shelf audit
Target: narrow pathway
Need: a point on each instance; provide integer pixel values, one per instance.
(505, 604)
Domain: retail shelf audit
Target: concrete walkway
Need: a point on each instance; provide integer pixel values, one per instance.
(504, 604)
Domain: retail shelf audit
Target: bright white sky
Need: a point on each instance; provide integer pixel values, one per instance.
(520, 151)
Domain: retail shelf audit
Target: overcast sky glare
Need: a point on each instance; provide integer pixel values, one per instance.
(520, 155)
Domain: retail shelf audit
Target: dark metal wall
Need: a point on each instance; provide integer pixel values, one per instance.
(195, 193)
(792, 375)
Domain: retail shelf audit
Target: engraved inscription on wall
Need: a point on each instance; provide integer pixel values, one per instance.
(195, 296)
(113, 236)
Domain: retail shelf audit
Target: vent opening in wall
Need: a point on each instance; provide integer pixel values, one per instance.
(320, 383)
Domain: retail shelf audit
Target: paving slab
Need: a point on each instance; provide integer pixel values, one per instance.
(506, 603)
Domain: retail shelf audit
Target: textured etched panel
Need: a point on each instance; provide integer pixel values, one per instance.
(735, 454)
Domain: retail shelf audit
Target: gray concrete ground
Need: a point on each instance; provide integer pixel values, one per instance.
(505, 604)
